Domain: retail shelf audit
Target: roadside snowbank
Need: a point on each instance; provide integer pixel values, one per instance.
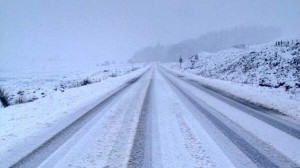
(277, 99)
(25, 126)
(29, 85)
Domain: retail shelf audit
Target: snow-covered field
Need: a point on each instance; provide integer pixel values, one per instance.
(266, 74)
(28, 85)
(33, 123)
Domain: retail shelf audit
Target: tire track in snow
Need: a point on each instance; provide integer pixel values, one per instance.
(261, 113)
(120, 155)
(156, 153)
(99, 147)
(97, 142)
(168, 149)
(178, 145)
(140, 155)
(37, 156)
(258, 112)
(199, 155)
(280, 155)
(258, 158)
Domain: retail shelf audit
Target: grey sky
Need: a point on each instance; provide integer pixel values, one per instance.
(98, 30)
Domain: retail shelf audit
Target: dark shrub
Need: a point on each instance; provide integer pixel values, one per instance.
(32, 99)
(287, 87)
(4, 98)
(86, 82)
(20, 100)
(113, 75)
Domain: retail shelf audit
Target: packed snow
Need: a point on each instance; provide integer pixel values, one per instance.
(176, 133)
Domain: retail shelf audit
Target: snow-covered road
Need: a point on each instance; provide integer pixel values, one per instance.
(248, 136)
(162, 119)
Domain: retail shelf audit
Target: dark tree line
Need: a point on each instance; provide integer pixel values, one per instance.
(285, 43)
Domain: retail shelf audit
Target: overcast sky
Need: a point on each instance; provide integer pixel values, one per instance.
(98, 30)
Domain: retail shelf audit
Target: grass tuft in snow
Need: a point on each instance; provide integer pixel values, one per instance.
(22, 99)
(86, 82)
(4, 97)
(113, 75)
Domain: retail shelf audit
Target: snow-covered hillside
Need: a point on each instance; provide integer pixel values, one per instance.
(267, 75)
(268, 65)
(25, 86)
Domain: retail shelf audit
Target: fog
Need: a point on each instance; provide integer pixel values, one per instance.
(81, 32)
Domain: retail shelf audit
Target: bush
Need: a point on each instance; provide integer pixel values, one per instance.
(4, 98)
(32, 99)
(134, 69)
(113, 75)
(20, 100)
(85, 82)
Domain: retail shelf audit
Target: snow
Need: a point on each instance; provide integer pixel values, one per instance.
(33, 123)
(272, 98)
(176, 131)
(178, 138)
(32, 84)
(98, 143)
(260, 129)
(245, 75)
(266, 65)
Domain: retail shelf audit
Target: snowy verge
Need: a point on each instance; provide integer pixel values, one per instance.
(26, 126)
(29, 85)
(277, 99)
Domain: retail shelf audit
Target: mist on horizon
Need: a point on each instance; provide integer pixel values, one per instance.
(53, 34)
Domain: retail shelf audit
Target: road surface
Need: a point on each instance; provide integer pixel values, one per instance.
(164, 120)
